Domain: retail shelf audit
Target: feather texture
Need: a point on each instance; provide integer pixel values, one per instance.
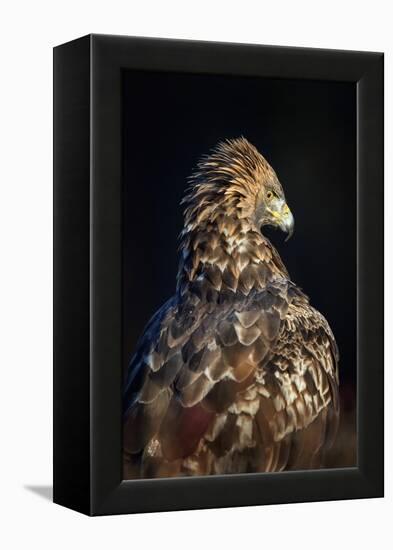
(237, 372)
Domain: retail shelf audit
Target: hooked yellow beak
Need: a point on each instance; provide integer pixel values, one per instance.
(283, 218)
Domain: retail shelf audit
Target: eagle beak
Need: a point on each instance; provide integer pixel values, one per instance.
(287, 222)
(283, 218)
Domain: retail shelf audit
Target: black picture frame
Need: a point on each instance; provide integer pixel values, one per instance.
(87, 275)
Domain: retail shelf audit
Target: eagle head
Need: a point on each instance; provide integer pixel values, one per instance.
(237, 181)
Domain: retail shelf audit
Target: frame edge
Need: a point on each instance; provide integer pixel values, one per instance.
(71, 272)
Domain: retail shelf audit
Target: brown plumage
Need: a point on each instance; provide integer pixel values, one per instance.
(237, 372)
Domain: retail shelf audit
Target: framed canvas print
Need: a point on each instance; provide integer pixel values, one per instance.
(218, 275)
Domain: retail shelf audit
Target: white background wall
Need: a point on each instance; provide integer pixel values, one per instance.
(28, 31)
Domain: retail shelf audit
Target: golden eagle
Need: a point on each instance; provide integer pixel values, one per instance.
(237, 372)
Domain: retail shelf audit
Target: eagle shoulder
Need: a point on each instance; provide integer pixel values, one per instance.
(228, 379)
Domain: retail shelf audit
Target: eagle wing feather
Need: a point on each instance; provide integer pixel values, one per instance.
(249, 385)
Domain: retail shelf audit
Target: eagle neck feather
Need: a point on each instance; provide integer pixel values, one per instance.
(226, 254)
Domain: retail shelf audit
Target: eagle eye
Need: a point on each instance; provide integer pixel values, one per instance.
(269, 195)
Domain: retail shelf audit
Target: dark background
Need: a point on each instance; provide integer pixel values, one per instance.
(306, 130)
